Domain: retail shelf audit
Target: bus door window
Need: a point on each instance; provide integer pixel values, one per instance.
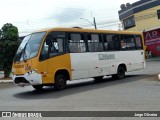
(56, 46)
(95, 43)
(76, 43)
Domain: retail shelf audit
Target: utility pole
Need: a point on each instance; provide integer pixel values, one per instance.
(92, 23)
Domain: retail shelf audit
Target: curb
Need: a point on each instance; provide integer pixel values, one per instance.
(153, 59)
(6, 81)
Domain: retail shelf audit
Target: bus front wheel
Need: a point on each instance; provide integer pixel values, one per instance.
(120, 73)
(60, 82)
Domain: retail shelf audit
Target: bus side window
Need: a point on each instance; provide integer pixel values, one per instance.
(76, 43)
(116, 42)
(108, 43)
(128, 42)
(123, 42)
(112, 42)
(95, 43)
(105, 43)
(138, 42)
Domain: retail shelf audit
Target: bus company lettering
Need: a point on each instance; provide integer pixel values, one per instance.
(106, 56)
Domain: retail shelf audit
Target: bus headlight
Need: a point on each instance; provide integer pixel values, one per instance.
(32, 72)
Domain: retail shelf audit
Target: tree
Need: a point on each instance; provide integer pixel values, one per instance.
(9, 41)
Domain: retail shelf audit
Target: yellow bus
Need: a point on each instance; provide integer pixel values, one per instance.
(52, 57)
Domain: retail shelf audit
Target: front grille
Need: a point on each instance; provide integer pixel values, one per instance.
(19, 74)
(20, 80)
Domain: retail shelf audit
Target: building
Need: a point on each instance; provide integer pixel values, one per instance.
(143, 15)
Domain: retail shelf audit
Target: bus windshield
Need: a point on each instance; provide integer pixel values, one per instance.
(29, 47)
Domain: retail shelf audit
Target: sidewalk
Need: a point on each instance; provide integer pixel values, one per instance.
(153, 59)
(4, 81)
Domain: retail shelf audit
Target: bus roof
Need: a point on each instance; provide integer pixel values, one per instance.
(89, 30)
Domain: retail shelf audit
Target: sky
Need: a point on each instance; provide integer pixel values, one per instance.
(31, 15)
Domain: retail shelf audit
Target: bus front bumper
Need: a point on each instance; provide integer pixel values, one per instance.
(27, 79)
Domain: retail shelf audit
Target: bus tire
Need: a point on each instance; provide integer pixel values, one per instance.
(60, 82)
(120, 73)
(38, 87)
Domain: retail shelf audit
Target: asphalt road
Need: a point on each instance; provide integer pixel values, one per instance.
(139, 91)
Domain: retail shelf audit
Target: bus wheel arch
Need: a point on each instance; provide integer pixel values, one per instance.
(61, 77)
(121, 69)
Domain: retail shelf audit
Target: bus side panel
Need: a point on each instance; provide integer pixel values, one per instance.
(60, 62)
(79, 65)
(94, 64)
(42, 69)
(86, 65)
(134, 60)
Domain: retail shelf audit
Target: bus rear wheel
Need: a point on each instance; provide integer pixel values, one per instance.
(120, 73)
(60, 82)
(38, 87)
